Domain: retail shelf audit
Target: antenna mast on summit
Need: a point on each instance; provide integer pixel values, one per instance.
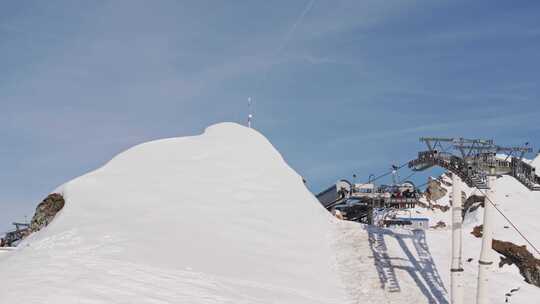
(250, 113)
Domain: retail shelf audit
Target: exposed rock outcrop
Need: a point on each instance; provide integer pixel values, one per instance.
(435, 190)
(528, 265)
(443, 208)
(46, 211)
(432, 206)
(440, 224)
(477, 231)
(472, 203)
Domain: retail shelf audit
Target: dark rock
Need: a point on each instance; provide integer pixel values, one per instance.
(435, 190)
(472, 203)
(477, 231)
(528, 265)
(46, 211)
(440, 224)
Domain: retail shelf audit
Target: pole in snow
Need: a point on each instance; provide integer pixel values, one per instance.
(250, 114)
(456, 270)
(485, 262)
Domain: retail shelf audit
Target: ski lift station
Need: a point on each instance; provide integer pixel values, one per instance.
(474, 162)
(370, 203)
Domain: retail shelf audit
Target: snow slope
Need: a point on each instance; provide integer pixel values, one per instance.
(414, 266)
(420, 262)
(216, 218)
(221, 218)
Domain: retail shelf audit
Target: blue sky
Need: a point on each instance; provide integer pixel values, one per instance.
(340, 87)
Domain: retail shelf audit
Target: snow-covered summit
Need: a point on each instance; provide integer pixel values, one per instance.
(215, 218)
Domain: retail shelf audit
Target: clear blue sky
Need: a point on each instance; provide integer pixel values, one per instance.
(341, 87)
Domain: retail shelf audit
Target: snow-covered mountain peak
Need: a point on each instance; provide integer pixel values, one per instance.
(215, 218)
(221, 218)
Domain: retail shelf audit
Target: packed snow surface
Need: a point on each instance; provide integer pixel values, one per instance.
(216, 218)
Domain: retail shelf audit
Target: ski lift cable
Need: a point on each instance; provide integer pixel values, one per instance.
(387, 173)
(409, 176)
(399, 168)
(509, 221)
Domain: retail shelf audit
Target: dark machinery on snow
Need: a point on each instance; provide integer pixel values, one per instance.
(359, 202)
(13, 237)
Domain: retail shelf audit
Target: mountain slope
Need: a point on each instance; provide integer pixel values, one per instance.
(521, 206)
(414, 266)
(221, 218)
(216, 218)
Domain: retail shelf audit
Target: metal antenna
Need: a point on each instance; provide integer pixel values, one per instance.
(395, 176)
(250, 114)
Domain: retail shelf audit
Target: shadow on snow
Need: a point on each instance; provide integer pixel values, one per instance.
(420, 268)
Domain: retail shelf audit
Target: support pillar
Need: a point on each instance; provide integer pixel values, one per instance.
(456, 270)
(486, 255)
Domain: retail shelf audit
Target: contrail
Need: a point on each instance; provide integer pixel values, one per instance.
(295, 25)
(288, 36)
